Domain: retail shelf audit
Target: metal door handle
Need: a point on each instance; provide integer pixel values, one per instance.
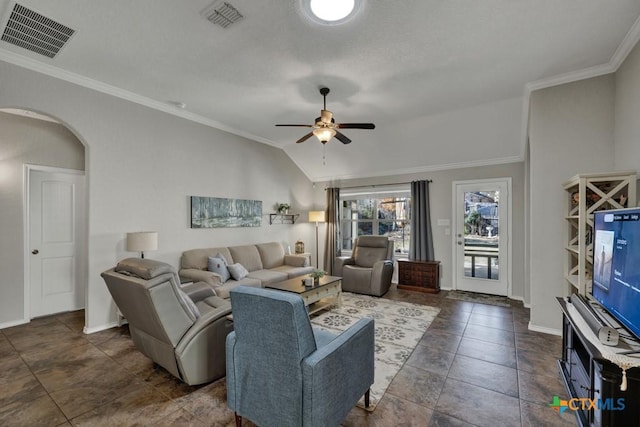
(35, 252)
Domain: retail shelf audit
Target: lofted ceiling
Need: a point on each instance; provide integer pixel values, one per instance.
(445, 81)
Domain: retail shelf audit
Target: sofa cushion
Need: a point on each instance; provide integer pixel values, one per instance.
(237, 271)
(198, 258)
(296, 260)
(267, 277)
(292, 272)
(247, 255)
(272, 254)
(223, 291)
(219, 266)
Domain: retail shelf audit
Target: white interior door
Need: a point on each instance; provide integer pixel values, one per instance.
(55, 236)
(481, 246)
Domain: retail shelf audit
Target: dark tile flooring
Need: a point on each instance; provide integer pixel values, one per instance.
(477, 365)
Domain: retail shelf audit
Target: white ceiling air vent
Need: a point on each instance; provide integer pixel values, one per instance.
(37, 33)
(222, 13)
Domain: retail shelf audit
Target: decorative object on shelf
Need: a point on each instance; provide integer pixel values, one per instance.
(317, 217)
(299, 247)
(142, 241)
(316, 274)
(215, 212)
(586, 194)
(283, 208)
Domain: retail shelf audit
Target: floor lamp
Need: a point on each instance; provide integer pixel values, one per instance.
(317, 217)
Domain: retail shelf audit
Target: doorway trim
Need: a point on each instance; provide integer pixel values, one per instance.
(28, 168)
(509, 247)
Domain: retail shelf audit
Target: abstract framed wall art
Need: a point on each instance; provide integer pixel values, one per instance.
(216, 212)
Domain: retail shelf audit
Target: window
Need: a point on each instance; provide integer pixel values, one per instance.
(381, 214)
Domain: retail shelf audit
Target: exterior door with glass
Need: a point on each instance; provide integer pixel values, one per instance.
(481, 245)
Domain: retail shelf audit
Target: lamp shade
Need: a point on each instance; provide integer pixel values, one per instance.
(142, 241)
(316, 216)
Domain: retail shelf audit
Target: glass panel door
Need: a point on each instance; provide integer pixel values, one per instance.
(481, 210)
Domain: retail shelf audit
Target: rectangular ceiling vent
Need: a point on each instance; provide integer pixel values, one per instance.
(35, 32)
(222, 14)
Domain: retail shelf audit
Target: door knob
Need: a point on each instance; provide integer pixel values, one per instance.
(459, 242)
(35, 252)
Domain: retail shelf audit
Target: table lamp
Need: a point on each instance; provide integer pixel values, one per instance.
(142, 241)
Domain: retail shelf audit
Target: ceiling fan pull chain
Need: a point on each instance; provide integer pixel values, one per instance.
(324, 157)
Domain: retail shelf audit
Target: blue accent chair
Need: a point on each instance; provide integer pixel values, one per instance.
(283, 372)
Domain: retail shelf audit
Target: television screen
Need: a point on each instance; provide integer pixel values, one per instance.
(616, 265)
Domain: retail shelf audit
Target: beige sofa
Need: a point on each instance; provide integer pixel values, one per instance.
(265, 262)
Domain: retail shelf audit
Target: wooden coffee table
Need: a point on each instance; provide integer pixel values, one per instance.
(327, 292)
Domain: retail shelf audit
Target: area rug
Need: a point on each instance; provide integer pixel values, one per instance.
(479, 298)
(399, 327)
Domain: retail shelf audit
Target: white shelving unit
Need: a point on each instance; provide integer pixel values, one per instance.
(587, 193)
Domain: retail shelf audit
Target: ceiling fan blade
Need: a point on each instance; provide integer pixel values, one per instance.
(356, 126)
(302, 126)
(342, 138)
(304, 138)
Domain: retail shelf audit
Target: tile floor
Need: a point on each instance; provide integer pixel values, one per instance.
(477, 365)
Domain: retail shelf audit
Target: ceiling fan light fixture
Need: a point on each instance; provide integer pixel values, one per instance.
(331, 12)
(324, 134)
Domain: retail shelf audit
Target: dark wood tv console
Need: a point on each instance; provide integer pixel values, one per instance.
(587, 375)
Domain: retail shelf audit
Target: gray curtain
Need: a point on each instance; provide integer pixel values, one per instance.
(421, 245)
(332, 247)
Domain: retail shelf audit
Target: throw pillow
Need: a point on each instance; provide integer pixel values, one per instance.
(237, 271)
(216, 265)
(219, 255)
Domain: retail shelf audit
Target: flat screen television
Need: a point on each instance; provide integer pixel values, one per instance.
(616, 265)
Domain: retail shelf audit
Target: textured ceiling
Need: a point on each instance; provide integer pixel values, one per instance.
(442, 80)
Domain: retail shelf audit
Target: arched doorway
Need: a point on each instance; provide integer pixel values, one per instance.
(33, 142)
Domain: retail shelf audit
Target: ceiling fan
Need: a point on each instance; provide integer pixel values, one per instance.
(325, 126)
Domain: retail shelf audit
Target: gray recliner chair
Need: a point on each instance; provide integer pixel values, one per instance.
(283, 372)
(183, 329)
(370, 267)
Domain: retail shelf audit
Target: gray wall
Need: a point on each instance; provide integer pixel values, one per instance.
(441, 208)
(25, 141)
(142, 165)
(570, 132)
(627, 110)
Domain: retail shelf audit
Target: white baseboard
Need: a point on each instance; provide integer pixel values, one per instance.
(13, 323)
(95, 329)
(521, 299)
(544, 330)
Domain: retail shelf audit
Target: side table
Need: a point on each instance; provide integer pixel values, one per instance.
(422, 276)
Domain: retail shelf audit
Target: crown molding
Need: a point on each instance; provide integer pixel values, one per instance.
(58, 73)
(422, 169)
(628, 43)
